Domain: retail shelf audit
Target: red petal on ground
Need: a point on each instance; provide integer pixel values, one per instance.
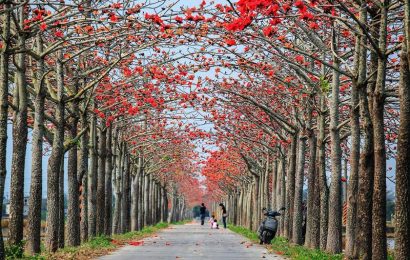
(136, 243)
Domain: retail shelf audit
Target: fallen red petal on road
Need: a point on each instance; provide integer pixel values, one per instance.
(136, 243)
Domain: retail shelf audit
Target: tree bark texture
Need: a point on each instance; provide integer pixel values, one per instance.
(334, 235)
(36, 187)
(54, 163)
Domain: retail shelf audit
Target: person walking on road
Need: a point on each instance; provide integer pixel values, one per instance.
(202, 211)
(224, 214)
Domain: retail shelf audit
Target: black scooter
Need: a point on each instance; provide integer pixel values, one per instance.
(267, 229)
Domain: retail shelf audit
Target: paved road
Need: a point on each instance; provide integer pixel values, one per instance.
(193, 241)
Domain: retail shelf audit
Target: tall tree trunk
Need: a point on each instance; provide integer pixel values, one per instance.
(36, 187)
(249, 206)
(282, 191)
(312, 213)
(173, 197)
(364, 206)
(108, 185)
(379, 243)
(141, 197)
(163, 199)
(92, 178)
(157, 203)
(73, 207)
(162, 207)
(334, 236)
(4, 91)
(290, 189)
(102, 153)
(402, 210)
(366, 171)
(55, 161)
(297, 236)
(152, 200)
(83, 179)
(118, 183)
(146, 200)
(61, 212)
(353, 186)
(19, 140)
(134, 199)
(166, 206)
(316, 208)
(138, 193)
(255, 204)
(125, 210)
(324, 190)
(274, 204)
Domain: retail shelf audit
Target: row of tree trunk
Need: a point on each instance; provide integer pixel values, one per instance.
(109, 191)
(305, 158)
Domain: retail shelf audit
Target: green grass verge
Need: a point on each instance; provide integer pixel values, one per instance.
(281, 246)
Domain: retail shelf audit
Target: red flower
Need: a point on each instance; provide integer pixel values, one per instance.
(178, 19)
(58, 34)
(286, 7)
(43, 27)
(139, 70)
(239, 24)
(299, 4)
(313, 25)
(300, 59)
(230, 42)
(268, 31)
(113, 18)
(127, 72)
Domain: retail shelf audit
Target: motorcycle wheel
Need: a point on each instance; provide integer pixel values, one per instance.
(267, 237)
(264, 236)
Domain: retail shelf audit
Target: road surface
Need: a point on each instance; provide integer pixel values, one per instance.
(193, 241)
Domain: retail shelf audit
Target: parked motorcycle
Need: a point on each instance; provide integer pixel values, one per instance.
(267, 229)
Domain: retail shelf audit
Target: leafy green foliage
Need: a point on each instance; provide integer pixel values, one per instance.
(14, 251)
(324, 85)
(167, 158)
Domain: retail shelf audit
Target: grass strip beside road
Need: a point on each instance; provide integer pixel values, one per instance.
(281, 246)
(100, 246)
(103, 245)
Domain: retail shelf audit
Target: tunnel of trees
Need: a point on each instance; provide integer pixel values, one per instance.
(151, 107)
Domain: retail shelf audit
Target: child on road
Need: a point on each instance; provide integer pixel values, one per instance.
(213, 222)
